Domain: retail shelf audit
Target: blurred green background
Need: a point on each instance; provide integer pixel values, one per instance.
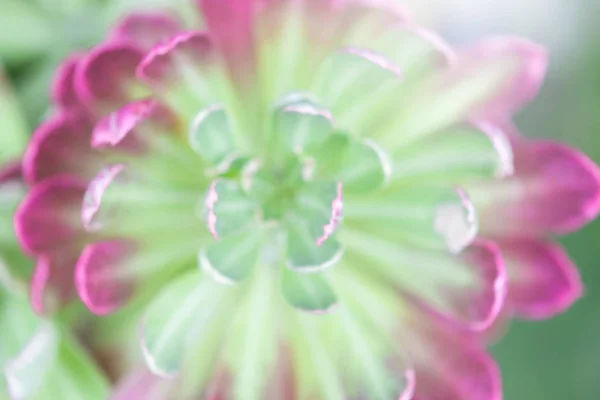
(551, 360)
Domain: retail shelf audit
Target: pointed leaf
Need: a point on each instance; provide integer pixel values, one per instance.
(320, 207)
(18, 324)
(491, 80)
(331, 155)
(365, 168)
(430, 216)
(255, 350)
(354, 82)
(379, 375)
(314, 360)
(466, 152)
(305, 255)
(168, 321)
(228, 209)
(361, 165)
(210, 134)
(308, 292)
(232, 259)
(27, 373)
(75, 375)
(301, 126)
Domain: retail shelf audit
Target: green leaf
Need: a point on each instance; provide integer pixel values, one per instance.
(311, 224)
(447, 99)
(254, 352)
(319, 205)
(26, 374)
(308, 292)
(74, 376)
(228, 209)
(305, 255)
(301, 126)
(316, 368)
(165, 328)
(365, 167)
(18, 324)
(361, 165)
(32, 88)
(210, 135)
(232, 259)
(356, 84)
(460, 154)
(330, 157)
(378, 373)
(40, 361)
(26, 31)
(436, 217)
(12, 124)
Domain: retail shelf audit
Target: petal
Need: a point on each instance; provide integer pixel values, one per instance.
(95, 194)
(308, 292)
(63, 90)
(232, 259)
(184, 72)
(467, 290)
(47, 219)
(105, 78)
(555, 189)
(147, 29)
(142, 385)
(484, 303)
(543, 281)
(527, 76)
(291, 39)
(493, 79)
(231, 24)
(220, 386)
(161, 64)
(283, 384)
(118, 128)
(450, 367)
(52, 283)
(61, 145)
(481, 304)
(101, 282)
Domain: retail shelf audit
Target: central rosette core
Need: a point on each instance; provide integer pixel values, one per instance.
(282, 202)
